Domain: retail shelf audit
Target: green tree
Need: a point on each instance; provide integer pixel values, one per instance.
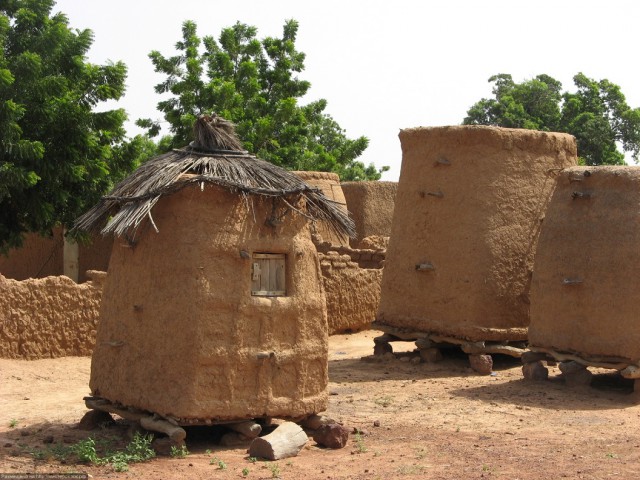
(254, 84)
(57, 155)
(596, 114)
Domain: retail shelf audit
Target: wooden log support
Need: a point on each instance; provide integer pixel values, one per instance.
(314, 422)
(175, 433)
(285, 441)
(249, 429)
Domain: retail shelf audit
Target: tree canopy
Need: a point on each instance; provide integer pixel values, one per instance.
(596, 114)
(254, 84)
(57, 154)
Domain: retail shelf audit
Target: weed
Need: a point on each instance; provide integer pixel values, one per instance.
(275, 470)
(220, 463)
(85, 450)
(13, 423)
(611, 455)
(411, 469)
(253, 459)
(360, 443)
(179, 452)
(245, 472)
(383, 401)
(207, 451)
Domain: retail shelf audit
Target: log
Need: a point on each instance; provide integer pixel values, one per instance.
(176, 434)
(314, 422)
(249, 429)
(285, 441)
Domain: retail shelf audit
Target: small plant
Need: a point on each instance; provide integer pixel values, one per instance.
(179, 452)
(220, 463)
(611, 455)
(85, 450)
(245, 472)
(360, 446)
(13, 423)
(208, 451)
(253, 459)
(384, 401)
(275, 470)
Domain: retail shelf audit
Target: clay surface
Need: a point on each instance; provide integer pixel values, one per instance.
(329, 184)
(371, 205)
(584, 293)
(353, 293)
(49, 317)
(415, 421)
(41, 257)
(467, 216)
(180, 333)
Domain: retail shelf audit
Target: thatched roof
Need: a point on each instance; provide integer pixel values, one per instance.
(215, 157)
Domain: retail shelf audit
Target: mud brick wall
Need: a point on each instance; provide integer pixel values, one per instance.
(49, 317)
(352, 279)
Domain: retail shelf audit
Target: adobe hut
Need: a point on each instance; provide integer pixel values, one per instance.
(213, 305)
(329, 184)
(584, 292)
(467, 214)
(371, 206)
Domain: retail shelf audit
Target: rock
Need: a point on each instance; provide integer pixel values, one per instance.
(331, 436)
(575, 374)
(532, 357)
(285, 441)
(382, 348)
(163, 445)
(48, 439)
(535, 371)
(483, 364)
(94, 419)
(234, 439)
(431, 355)
(376, 423)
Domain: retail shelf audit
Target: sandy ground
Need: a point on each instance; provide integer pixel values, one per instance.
(436, 421)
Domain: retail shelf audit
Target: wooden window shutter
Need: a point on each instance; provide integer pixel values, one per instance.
(268, 275)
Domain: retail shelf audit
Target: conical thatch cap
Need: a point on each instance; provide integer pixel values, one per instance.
(214, 157)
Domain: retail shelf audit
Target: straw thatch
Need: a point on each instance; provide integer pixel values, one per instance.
(214, 158)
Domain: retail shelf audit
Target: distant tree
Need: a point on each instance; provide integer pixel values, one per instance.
(57, 155)
(596, 114)
(254, 84)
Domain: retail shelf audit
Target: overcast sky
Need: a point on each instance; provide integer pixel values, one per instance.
(384, 65)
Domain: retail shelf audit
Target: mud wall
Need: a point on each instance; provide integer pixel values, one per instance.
(468, 211)
(41, 257)
(49, 317)
(181, 334)
(584, 293)
(371, 205)
(352, 279)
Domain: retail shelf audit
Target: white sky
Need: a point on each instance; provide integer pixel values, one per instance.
(384, 65)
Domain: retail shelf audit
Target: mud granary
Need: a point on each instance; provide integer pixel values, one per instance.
(468, 211)
(213, 307)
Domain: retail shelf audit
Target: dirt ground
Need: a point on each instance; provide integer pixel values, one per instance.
(436, 421)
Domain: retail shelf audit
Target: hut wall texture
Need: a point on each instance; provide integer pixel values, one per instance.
(329, 184)
(353, 292)
(371, 205)
(180, 333)
(470, 202)
(39, 257)
(584, 292)
(49, 317)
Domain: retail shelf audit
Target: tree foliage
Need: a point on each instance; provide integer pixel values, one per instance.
(57, 154)
(596, 114)
(254, 84)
